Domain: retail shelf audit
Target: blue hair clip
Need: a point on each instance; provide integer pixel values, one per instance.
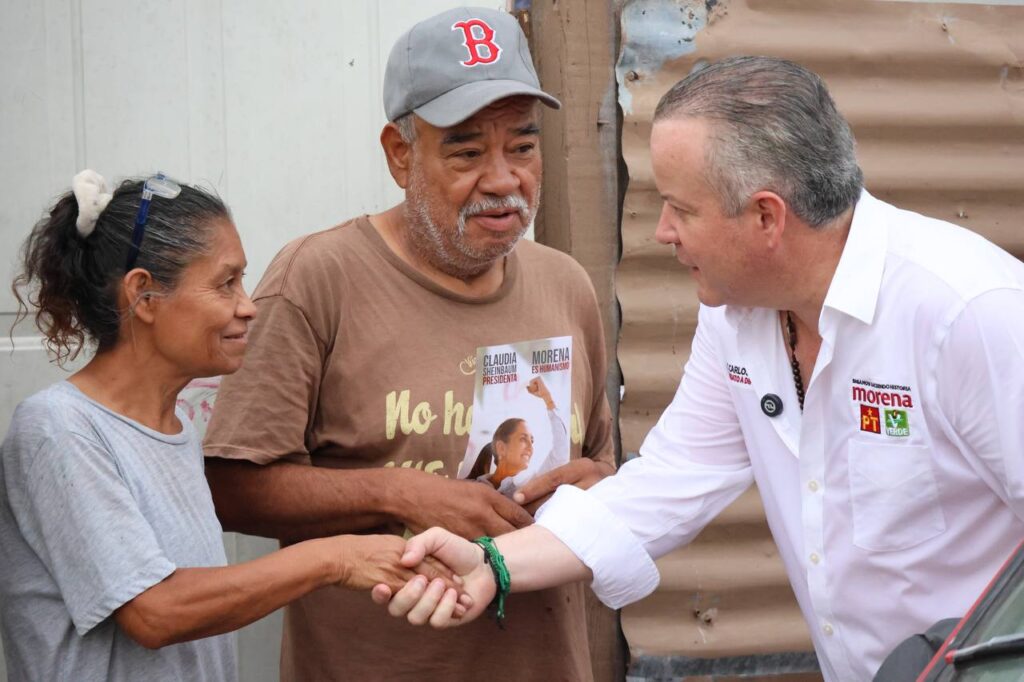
(160, 186)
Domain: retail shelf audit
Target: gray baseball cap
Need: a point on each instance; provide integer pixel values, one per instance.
(448, 67)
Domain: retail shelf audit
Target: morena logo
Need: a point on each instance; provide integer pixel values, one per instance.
(883, 398)
(478, 39)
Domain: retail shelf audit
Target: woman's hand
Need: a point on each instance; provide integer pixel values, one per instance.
(537, 388)
(420, 601)
(365, 561)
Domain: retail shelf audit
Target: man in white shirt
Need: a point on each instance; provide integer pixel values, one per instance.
(863, 364)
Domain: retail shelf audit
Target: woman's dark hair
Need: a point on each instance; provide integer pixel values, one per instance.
(486, 457)
(73, 281)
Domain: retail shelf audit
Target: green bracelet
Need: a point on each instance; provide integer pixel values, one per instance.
(502, 579)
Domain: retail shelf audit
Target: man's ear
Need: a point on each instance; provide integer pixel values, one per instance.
(139, 289)
(398, 152)
(770, 213)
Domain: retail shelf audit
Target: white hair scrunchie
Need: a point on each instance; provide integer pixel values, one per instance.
(93, 195)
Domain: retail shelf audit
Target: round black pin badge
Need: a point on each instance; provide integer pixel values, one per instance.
(771, 405)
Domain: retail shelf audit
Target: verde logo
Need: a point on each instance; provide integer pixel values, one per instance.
(896, 423)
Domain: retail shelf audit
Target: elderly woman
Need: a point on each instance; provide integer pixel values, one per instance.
(112, 563)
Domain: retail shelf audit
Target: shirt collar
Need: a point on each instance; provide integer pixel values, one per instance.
(858, 277)
(735, 315)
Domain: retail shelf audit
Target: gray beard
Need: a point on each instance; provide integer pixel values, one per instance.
(451, 254)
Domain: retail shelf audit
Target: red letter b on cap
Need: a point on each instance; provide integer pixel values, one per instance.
(474, 43)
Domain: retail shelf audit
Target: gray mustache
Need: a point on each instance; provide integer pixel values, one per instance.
(511, 202)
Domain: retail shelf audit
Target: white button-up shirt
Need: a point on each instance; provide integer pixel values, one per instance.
(897, 493)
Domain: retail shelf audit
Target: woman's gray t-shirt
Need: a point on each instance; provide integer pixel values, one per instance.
(95, 509)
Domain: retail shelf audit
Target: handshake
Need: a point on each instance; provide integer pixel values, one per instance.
(440, 579)
(449, 581)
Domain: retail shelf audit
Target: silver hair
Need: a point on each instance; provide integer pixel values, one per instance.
(406, 124)
(775, 127)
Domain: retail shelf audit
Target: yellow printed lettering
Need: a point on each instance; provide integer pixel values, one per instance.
(456, 414)
(432, 467)
(396, 409)
(397, 416)
(576, 425)
(422, 418)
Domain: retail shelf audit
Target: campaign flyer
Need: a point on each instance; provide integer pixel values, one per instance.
(521, 412)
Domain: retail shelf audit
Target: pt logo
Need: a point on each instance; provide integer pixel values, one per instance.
(478, 38)
(870, 419)
(896, 423)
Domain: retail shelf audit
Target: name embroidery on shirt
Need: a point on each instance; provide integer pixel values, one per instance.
(738, 374)
(878, 407)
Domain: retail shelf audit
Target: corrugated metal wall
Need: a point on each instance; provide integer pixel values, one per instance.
(935, 95)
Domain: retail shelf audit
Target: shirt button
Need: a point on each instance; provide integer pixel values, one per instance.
(815, 558)
(827, 629)
(813, 486)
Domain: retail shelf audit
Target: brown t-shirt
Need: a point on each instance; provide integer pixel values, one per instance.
(356, 360)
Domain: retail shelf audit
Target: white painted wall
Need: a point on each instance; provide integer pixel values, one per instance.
(276, 106)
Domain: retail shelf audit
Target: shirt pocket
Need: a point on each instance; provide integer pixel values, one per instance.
(894, 495)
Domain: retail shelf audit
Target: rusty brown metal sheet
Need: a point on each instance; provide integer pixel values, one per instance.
(935, 95)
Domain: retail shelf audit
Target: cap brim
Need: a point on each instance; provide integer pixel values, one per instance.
(462, 102)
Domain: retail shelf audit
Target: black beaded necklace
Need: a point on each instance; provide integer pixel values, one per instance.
(797, 379)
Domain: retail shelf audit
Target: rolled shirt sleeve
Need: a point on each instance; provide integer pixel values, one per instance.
(692, 465)
(623, 570)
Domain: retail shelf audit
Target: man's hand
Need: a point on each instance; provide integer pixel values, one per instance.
(538, 388)
(467, 508)
(582, 473)
(364, 561)
(421, 602)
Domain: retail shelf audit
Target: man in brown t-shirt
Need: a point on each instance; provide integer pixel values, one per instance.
(352, 410)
